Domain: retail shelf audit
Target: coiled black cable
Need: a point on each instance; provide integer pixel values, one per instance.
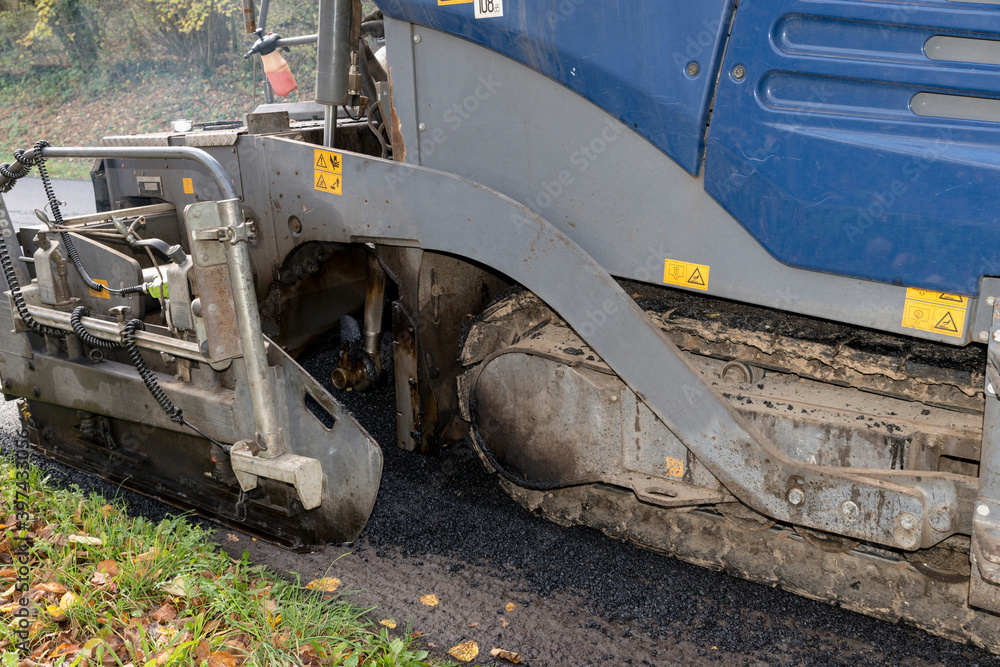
(15, 292)
(66, 238)
(128, 342)
(86, 336)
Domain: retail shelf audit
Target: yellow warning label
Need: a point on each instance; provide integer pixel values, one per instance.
(327, 171)
(675, 467)
(935, 312)
(188, 186)
(685, 274)
(103, 294)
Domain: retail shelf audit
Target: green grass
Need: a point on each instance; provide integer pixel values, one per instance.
(116, 589)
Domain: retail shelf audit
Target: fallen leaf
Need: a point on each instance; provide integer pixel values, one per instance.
(85, 539)
(473, 625)
(416, 633)
(164, 614)
(465, 651)
(68, 600)
(429, 600)
(179, 588)
(324, 585)
(99, 579)
(64, 649)
(108, 567)
(389, 623)
(504, 622)
(147, 555)
(202, 651)
(107, 510)
(510, 606)
(78, 514)
(506, 655)
(221, 659)
(56, 613)
(51, 587)
(231, 538)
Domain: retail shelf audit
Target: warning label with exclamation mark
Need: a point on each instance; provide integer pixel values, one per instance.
(328, 171)
(935, 312)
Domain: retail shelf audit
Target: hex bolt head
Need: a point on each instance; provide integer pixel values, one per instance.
(796, 497)
(416, 38)
(422, 127)
(983, 510)
(990, 300)
(739, 72)
(984, 336)
(693, 68)
(849, 510)
(907, 521)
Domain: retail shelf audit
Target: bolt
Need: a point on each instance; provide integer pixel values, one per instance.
(983, 510)
(796, 497)
(990, 300)
(613, 398)
(739, 72)
(416, 38)
(421, 127)
(996, 335)
(983, 336)
(849, 510)
(693, 68)
(907, 521)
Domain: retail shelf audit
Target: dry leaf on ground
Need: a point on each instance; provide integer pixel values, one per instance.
(108, 567)
(222, 659)
(504, 622)
(510, 606)
(85, 539)
(231, 538)
(51, 587)
(326, 584)
(473, 625)
(465, 651)
(506, 655)
(429, 600)
(164, 614)
(67, 600)
(389, 623)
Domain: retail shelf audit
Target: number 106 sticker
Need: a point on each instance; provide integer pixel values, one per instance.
(486, 9)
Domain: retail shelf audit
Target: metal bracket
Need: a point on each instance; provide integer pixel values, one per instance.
(986, 517)
(244, 232)
(304, 473)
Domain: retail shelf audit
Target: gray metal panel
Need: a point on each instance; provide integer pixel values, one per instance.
(627, 204)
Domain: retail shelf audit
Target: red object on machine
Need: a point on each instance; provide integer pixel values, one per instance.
(279, 74)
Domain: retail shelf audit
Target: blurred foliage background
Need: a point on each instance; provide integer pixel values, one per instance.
(72, 71)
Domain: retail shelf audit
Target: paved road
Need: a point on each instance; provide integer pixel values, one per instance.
(75, 198)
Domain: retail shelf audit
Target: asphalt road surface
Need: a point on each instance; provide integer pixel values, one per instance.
(508, 579)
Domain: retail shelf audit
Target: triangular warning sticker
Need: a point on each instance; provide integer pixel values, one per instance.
(947, 323)
(320, 181)
(696, 278)
(952, 297)
(321, 162)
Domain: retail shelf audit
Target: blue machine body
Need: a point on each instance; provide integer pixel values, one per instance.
(818, 149)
